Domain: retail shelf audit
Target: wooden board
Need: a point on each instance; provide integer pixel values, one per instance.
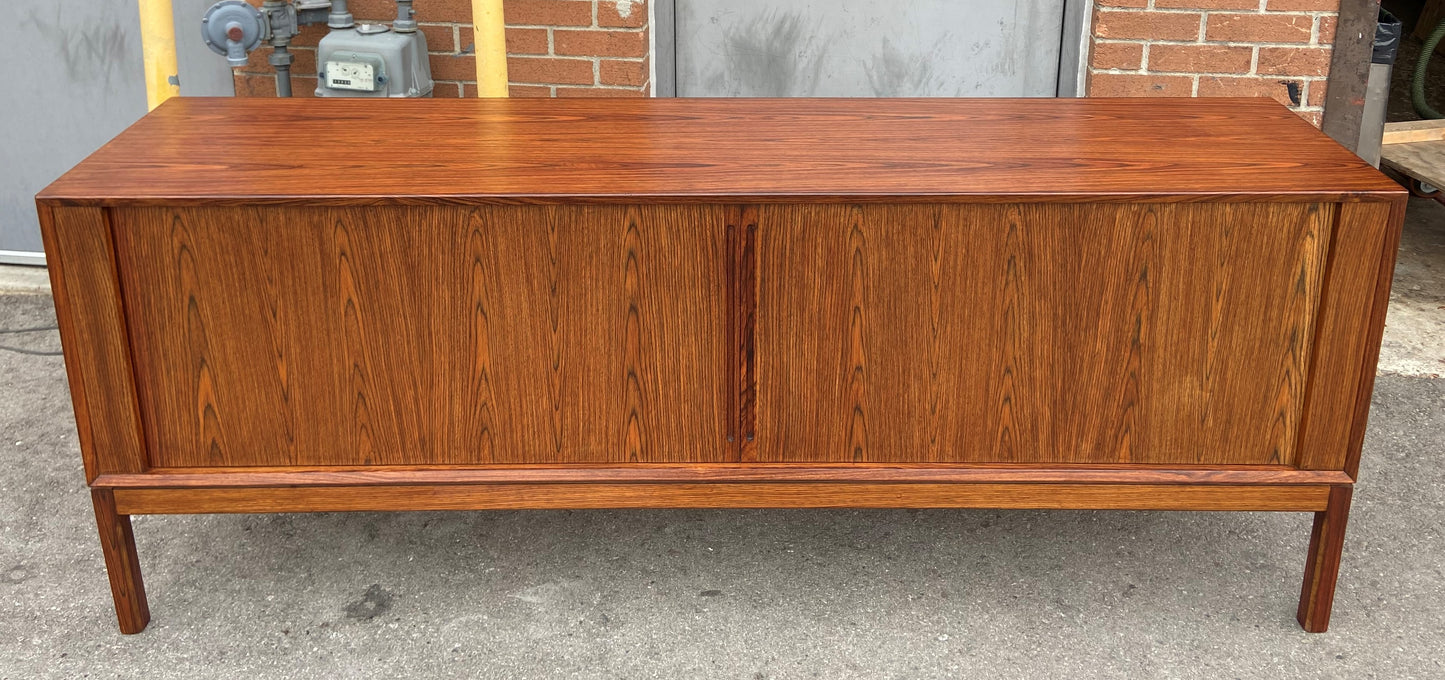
(742, 495)
(1413, 131)
(428, 335)
(663, 473)
(1424, 161)
(1070, 334)
(205, 151)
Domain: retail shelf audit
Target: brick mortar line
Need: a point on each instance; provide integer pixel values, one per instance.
(1221, 74)
(536, 84)
(1146, 70)
(579, 29)
(542, 55)
(592, 28)
(1215, 43)
(575, 57)
(250, 74)
(572, 57)
(1224, 43)
(1215, 74)
(620, 88)
(1245, 13)
(510, 55)
(1221, 43)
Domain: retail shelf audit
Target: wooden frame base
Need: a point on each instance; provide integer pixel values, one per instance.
(118, 496)
(736, 495)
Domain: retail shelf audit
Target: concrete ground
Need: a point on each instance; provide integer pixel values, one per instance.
(734, 594)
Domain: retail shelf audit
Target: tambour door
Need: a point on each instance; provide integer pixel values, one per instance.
(427, 335)
(1097, 333)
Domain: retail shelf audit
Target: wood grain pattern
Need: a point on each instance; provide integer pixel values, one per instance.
(429, 335)
(994, 473)
(1072, 334)
(1322, 567)
(741, 495)
(1351, 320)
(122, 563)
(89, 311)
(203, 151)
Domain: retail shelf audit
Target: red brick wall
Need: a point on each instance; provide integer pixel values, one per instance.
(556, 48)
(1214, 48)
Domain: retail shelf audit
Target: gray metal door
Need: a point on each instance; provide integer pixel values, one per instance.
(73, 72)
(867, 48)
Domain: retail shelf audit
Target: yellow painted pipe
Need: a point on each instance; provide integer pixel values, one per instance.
(158, 47)
(490, 30)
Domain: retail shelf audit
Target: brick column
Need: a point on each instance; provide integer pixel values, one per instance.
(555, 48)
(1214, 48)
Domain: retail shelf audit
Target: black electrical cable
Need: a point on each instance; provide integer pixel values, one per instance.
(29, 352)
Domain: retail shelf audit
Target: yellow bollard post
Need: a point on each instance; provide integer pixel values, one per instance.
(491, 47)
(158, 47)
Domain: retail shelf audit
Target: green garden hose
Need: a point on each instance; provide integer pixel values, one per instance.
(1417, 86)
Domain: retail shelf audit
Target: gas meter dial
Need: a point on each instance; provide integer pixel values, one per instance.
(351, 75)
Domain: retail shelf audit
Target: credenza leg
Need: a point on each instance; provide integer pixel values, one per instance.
(121, 563)
(1322, 567)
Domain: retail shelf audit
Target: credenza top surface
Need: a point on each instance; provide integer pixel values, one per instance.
(352, 151)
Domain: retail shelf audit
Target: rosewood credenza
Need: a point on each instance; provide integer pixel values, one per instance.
(281, 306)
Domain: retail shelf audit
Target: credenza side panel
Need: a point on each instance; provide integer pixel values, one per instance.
(80, 255)
(1355, 297)
(429, 335)
(1094, 333)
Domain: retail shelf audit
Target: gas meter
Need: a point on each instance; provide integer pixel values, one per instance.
(373, 60)
(353, 60)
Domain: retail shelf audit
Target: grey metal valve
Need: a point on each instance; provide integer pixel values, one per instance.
(232, 28)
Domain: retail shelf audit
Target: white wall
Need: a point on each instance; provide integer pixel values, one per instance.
(72, 75)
